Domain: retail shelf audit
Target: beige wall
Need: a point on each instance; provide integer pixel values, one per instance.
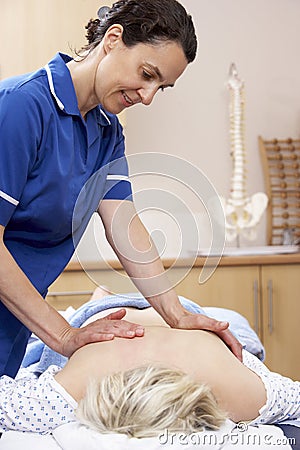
(32, 31)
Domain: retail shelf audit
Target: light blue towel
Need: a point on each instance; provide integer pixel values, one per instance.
(39, 357)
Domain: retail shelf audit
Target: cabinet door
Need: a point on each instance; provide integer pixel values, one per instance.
(234, 288)
(281, 313)
(73, 288)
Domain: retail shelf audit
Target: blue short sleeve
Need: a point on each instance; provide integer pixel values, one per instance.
(55, 168)
(118, 185)
(19, 140)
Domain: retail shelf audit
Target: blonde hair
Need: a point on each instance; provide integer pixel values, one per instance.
(145, 401)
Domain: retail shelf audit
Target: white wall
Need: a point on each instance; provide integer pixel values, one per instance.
(191, 121)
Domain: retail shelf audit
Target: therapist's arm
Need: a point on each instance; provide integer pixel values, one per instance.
(24, 301)
(137, 253)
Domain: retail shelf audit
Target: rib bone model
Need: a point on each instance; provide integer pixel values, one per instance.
(242, 212)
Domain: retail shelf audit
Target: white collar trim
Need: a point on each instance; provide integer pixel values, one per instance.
(52, 90)
(103, 114)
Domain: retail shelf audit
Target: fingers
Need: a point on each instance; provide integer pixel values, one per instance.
(76, 338)
(210, 324)
(221, 329)
(116, 315)
(119, 328)
(201, 322)
(90, 337)
(237, 350)
(101, 330)
(232, 343)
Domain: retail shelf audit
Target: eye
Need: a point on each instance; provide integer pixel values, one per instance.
(147, 75)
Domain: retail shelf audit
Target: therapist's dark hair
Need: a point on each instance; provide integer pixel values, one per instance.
(148, 22)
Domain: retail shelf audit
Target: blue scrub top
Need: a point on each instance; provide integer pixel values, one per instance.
(48, 156)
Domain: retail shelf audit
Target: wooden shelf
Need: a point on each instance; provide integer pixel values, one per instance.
(246, 260)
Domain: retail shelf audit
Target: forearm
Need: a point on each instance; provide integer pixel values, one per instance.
(151, 280)
(134, 248)
(23, 300)
(138, 255)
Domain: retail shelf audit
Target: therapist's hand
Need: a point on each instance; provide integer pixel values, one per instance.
(200, 322)
(104, 329)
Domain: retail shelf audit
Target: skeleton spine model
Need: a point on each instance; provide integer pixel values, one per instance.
(242, 212)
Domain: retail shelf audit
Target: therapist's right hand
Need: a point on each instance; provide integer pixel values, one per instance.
(104, 329)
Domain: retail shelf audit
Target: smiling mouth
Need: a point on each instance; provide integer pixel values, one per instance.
(128, 100)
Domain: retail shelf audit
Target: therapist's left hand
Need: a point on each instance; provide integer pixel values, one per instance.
(190, 321)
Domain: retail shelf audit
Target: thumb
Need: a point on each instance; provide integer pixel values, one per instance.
(211, 324)
(219, 326)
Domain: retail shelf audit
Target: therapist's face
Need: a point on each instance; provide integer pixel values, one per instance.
(126, 76)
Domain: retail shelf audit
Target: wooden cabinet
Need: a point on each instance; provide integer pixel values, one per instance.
(234, 288)
(266, 290)
(267, 293)
(281, 318)
(75, 285)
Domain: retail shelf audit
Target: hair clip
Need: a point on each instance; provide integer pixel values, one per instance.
(102, 12)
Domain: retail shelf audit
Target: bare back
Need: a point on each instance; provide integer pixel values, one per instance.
(204, 356)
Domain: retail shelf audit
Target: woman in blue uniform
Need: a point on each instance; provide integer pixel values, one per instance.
(58, 131)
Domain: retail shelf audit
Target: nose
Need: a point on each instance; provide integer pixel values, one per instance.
(147, 95)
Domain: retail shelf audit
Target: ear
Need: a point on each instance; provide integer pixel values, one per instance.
(113, 37)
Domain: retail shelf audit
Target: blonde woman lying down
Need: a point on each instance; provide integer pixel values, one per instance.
(180, 380)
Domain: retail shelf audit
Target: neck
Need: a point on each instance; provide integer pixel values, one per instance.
(83, 71)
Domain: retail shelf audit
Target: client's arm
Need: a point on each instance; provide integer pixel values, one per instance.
(34, 404)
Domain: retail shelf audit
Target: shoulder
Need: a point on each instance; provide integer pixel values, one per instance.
(25, 102)
(24, 91)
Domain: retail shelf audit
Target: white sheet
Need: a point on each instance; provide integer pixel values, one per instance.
(73, 436)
